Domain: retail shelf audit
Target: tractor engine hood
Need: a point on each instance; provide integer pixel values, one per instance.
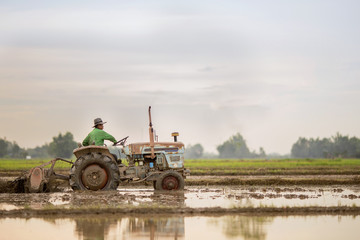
(144, 148)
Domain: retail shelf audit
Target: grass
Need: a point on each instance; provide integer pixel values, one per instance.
(24, 164)
(273, 166)
(274, 163)
(229, 166)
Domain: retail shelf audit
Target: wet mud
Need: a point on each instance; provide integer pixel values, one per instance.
(8, 185)
(274, 180)
(222, 195)
(274, 171)
(354, 211)
(199, 200)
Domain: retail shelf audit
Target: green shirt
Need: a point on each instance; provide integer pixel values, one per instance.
(98, 136)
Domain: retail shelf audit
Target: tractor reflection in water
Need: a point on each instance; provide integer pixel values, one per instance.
(131, 227)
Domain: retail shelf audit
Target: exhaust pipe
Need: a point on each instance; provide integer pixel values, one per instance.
(151, 134)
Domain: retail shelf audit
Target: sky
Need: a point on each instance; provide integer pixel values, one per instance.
(273, 71)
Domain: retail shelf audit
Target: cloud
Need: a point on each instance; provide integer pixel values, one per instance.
(209, 71)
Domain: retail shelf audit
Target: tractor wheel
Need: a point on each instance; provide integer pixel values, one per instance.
(170, 180)
(94, 171)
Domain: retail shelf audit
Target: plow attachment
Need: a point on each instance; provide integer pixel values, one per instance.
(39, 178)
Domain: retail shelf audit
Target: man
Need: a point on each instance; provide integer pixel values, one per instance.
(98, 135)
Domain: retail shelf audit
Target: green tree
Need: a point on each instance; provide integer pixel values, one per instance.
(195, 151)
(3, 147)
(301, 148)
(62, 145)
(336, 146)
(262, 153)
(15, 151)
(11, 149)
(235, 147)
(39, 152)
(354, 147)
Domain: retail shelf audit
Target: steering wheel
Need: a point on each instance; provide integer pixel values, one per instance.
(121, 142)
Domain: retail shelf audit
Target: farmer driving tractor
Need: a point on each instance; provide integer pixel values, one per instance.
(99, 167)
(98, 135)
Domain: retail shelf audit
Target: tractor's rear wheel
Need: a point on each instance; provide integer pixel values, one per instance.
(169, 180)
(94, 171)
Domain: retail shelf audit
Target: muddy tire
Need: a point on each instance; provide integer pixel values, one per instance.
(169, 180)
(94, 171)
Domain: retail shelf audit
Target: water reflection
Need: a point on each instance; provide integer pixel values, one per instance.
(175, 227)
(94, 228)
(154, 228)
(132, 228)
(243, 226)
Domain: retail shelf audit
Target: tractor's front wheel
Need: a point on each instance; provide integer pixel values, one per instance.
(94, 172)
(169, 180)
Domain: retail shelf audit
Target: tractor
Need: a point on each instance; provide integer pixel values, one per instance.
(103, 167)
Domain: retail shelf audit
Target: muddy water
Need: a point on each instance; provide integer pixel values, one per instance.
(229, 197)
(193, 197)
(172, 227)
(117, 226)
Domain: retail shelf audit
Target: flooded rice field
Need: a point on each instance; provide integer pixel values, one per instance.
(192, 197)
(199, 212)
(182, 227)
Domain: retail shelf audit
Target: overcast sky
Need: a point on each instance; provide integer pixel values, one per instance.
(270, 70)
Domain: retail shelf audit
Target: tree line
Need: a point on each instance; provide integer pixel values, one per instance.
(337, 146)
(11, 149)
(234, 147)
(60, 146)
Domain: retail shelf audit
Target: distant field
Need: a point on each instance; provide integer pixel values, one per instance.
(274, 166)
(23, 164)
(230, 166)
(273, 163)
